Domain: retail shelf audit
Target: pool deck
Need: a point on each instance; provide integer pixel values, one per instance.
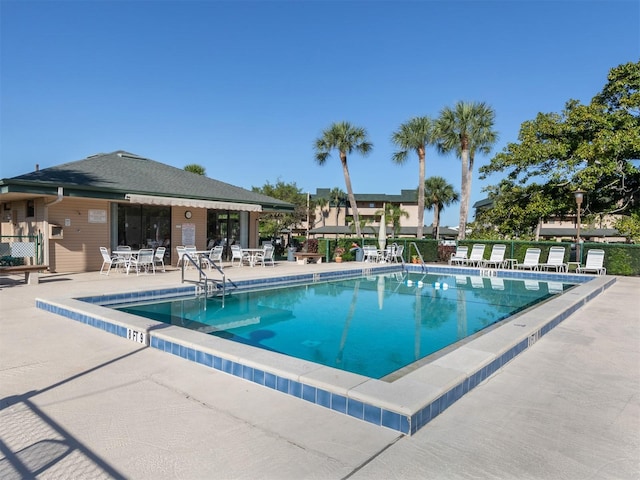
(76, 402)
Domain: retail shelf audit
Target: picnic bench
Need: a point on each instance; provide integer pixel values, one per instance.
(303, 258)
(31, 272)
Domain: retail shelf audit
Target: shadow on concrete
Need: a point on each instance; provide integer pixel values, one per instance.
(50, 443)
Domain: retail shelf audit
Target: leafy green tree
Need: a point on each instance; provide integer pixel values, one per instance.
(518, 210)
(195, 168)
(466, 129)
(415, 135)
(345, 138)
(438, 194)
(629, 226)
(272, 223)
(592, 147)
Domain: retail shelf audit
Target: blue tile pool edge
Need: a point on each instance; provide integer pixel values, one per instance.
(403, 422)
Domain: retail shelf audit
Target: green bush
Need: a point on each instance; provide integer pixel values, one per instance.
(10, 261)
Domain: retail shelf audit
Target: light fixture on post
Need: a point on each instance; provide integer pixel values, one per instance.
(579, 194)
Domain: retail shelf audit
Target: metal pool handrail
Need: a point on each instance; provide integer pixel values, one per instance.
(203, 278)
(418, 253)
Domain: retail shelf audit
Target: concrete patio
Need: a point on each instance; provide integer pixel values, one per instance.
(76, 402)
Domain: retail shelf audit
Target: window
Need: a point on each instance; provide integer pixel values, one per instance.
(144, 226)
(31, 208)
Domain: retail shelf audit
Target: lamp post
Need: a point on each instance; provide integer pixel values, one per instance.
(579, 194)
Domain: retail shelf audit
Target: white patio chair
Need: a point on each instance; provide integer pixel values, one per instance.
(594, 263)
(191, 251)
(397, 254)
(180, 251)
(214, 257)
(144, 261)
(107, 260)
(496, 259)
(158, 257)
(476, 256)
(265, 256)
(555, 260)
(459, 256)
(122, 256)
(370, 253)
(531, 259)
(238, 254)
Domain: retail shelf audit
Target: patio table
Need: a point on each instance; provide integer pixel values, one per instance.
(252, 252)
(127, 256)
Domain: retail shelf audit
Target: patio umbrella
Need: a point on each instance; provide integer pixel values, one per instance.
(382, 233)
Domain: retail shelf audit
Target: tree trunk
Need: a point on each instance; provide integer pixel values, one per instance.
(421, 174)
(464, 195)
(352, 198)
(436, 220)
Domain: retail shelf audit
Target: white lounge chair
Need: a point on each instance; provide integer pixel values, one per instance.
(496, 259)
(594, 263)
(555, 260)
(158, 257)
(459, 256)
(476, 256)
(531, 259)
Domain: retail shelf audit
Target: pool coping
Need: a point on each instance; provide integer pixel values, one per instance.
(405, 404)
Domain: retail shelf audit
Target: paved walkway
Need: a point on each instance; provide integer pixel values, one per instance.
(78, 403)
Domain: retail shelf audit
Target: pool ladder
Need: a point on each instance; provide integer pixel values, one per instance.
(419, 255)
(205, 285)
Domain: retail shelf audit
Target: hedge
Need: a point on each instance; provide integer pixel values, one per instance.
(620, 258)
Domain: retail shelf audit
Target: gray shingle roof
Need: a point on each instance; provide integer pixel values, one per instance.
(122, 172)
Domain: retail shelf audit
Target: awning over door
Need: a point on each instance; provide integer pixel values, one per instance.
(193, 203)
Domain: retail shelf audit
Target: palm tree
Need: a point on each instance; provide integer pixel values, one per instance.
(321, 202)
(439, 194)
(415, 135)
(466, 129)
(345, 138)
(195, 168)
(336, 198)
(392, 214)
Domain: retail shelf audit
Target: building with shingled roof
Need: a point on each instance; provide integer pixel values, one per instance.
(119, 198)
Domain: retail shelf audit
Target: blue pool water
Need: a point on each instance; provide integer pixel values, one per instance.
(372, 326)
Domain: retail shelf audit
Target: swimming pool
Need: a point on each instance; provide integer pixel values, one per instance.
(371, 326)
(404, 403)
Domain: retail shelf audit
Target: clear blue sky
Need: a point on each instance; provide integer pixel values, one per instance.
(244, 88)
